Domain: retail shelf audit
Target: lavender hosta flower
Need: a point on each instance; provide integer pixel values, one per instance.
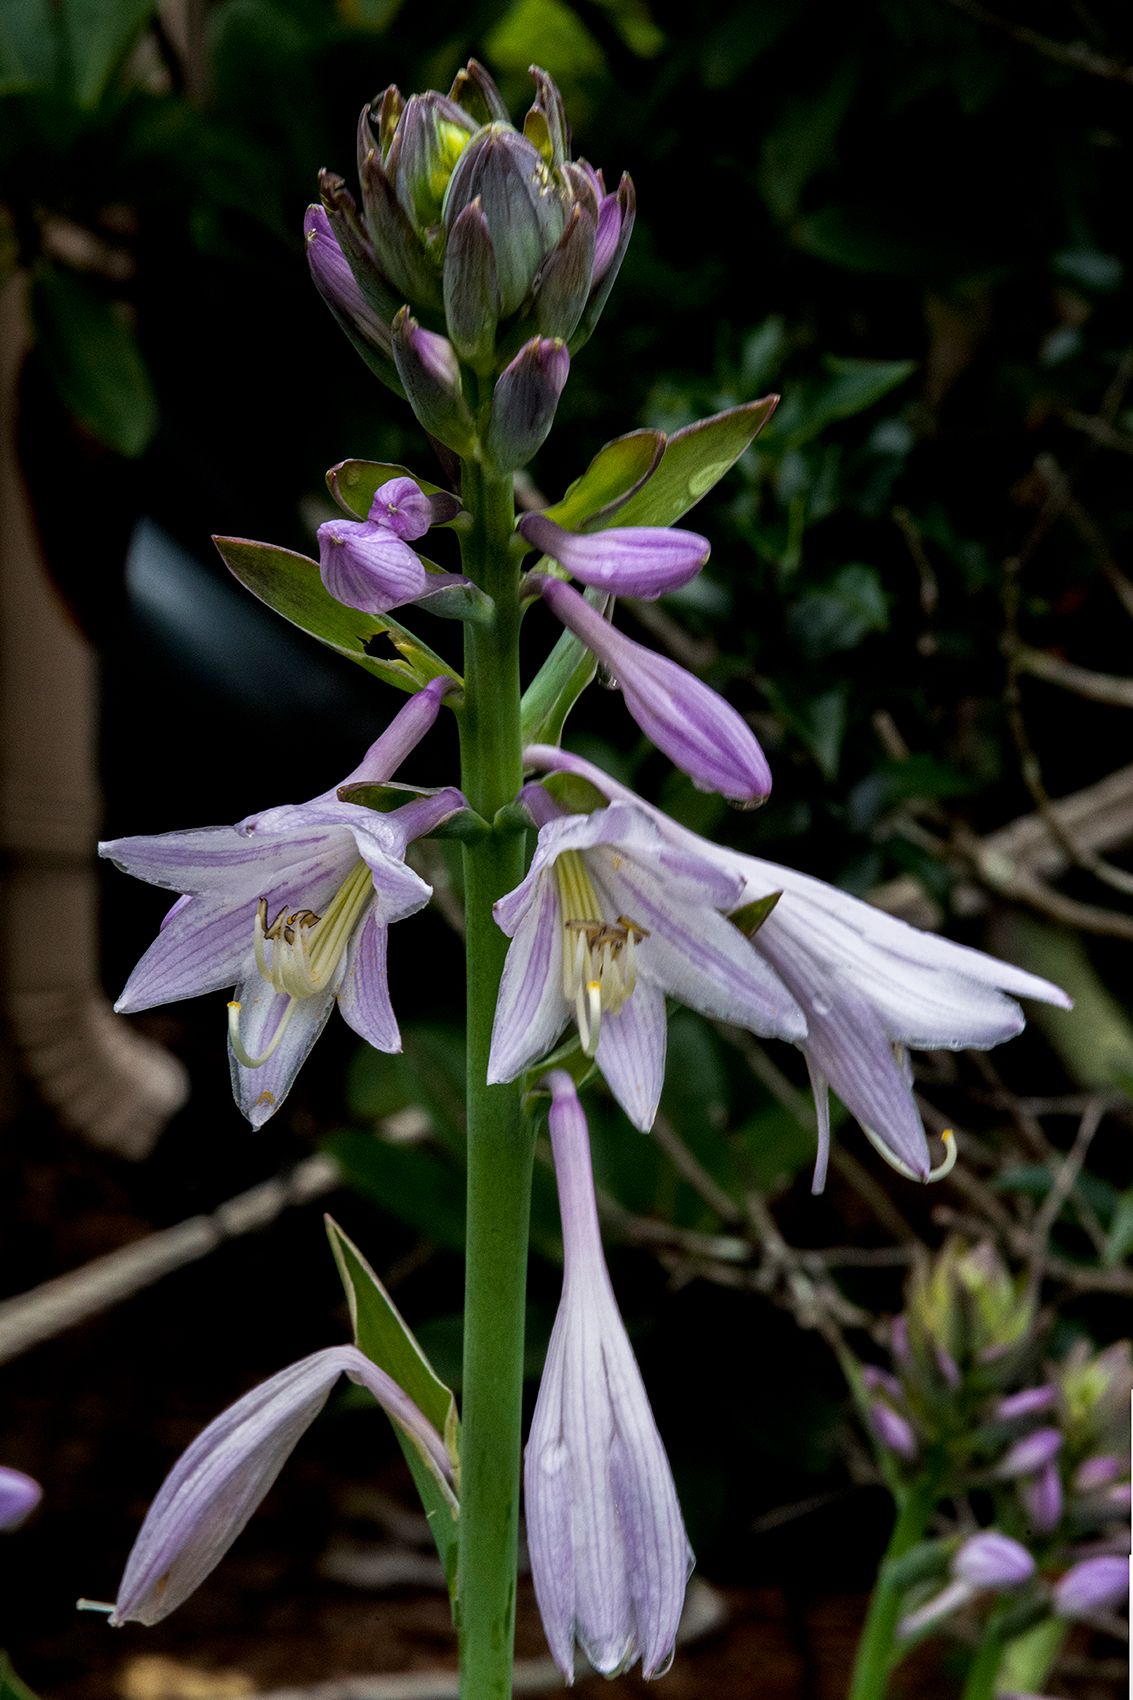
(646, 561)
(368, 563)
(1093, 1585)
(698, 731)
(610, 918)
(1031, 1454)
(987, 1562)
(19, 1496)
(218, 1483)
(870, 986)
(292, 906)
(524, 402)
(609, 1554)
(428, 368)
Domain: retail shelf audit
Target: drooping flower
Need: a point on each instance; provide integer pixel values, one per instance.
(870, 987)
(217, 1484)
(699, 732)
(19, 1496)
(628, 560)
(368, 563)
(609, 1554)
(610, 917)
(292, 906)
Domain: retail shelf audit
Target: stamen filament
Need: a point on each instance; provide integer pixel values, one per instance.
(239, 1050)
(943, 1168)
(599, 956)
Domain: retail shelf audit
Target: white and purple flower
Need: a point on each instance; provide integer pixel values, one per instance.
(610, 917)
(217, 1484)
(291, 906)
(869, 987)
(368, 564)
(609, 1554)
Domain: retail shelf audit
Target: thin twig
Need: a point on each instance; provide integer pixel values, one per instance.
(1107, 688)
(1064, 1184)
(1075, 55)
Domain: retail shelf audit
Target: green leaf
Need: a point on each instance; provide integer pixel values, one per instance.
(353, 483)
(555, 689)
(410, 1181)
(11, 1688)
(837, 616)
(694, 460)
(290, 584)
(617, 470)
(29, 46)
(99, 34)
(94, 361)
(387, 1340)
(1119, 1240)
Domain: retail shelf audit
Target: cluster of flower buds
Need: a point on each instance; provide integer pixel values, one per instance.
(966, 1400)
(477, 259)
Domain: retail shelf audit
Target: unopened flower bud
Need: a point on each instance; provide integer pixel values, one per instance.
(475, 91)
(1096, 1584)
(472, 290)
(1042, 1499)
(1097, 1473)
(430, 135)
(1027, 1403)
(563, 283)
(19, 1496)
(546, 126)
(336, 283)
(523, 207)
(428, 368)
(992, 1560)
(524, 401)
(1031, 1454)
(894, 1431)
(398, 246)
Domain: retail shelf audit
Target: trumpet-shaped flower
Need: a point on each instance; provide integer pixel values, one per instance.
(628, 560)
(870, 987)
(698, 731)
(368, 563)
(610, 918)
(293, 907)
(215, 1486)
(609, 1554)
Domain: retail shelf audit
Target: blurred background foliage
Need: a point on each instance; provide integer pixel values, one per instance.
(910, 218)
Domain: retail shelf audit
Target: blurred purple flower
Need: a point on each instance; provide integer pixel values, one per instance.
(894, 1431)
(19, 1496)
(987, 1562)
(1041, 1496)
(1095, 1584)
(1027, 1403)
(609, 1554)
(292, 906)
(1031, 1454)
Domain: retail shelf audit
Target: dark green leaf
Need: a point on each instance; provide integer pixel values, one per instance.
(90, 351)
(751, 917)
(617, 470)
(694, 460)
(100, 33)
(353, 483)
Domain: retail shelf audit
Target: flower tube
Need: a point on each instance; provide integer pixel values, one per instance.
(609, 1554)
(214, 1488)
(293, 907)
(698, 731)
(628, 560)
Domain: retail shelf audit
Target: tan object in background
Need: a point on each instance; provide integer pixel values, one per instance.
(102, 1079)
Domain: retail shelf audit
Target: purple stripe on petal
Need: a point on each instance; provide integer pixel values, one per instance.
(260, 1091)
(214, 858)
(530, 1010)
(631, 1054)
(363, 999)
(366, 566)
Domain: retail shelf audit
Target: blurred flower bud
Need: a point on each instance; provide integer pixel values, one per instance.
(992, 1560)
(524, 402)
(428, 367)
(1096, 1473)
(19, 1496)
(1027, 1403)
(1096, 1584)
(524, 207)
(894, 1431)
(1031, 1454)
(472, 290)
(428, 138)
(1041, 1496)
(966, 1304)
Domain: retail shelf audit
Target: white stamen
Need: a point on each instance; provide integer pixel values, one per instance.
(599, 960)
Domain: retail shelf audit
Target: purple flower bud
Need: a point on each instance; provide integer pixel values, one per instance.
(609, 251)
(894, 1431)
(1096, 1473)
(948, 1367)
(991, 1560)
(631, 560)
(1027, 1403)
(428, 367)
(563, 283)
(472, 290)
(429, 137)
(695, 728)
(1031, 1454)
(216, 1485)
(523, 207)
(524, 401)
(880, 1381)
(339, 288)
(19, 1496)
(1042, 1499)
(609, 1555)
(368, 564)
(1096, 1584)
(899, 1341)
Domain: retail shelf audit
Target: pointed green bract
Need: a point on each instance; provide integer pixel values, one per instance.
(617, 470)
(387, 1340)
(555, 689)
(353, 484)
(466, 825)
(290, 584)
(695, 459)
(751, 917)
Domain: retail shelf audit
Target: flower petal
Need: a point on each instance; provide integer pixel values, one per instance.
(260, 1091)
(218, 858)
(364, 999)
(631, 1053)
(365, 566)
(634, 560)
(531, 1011)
